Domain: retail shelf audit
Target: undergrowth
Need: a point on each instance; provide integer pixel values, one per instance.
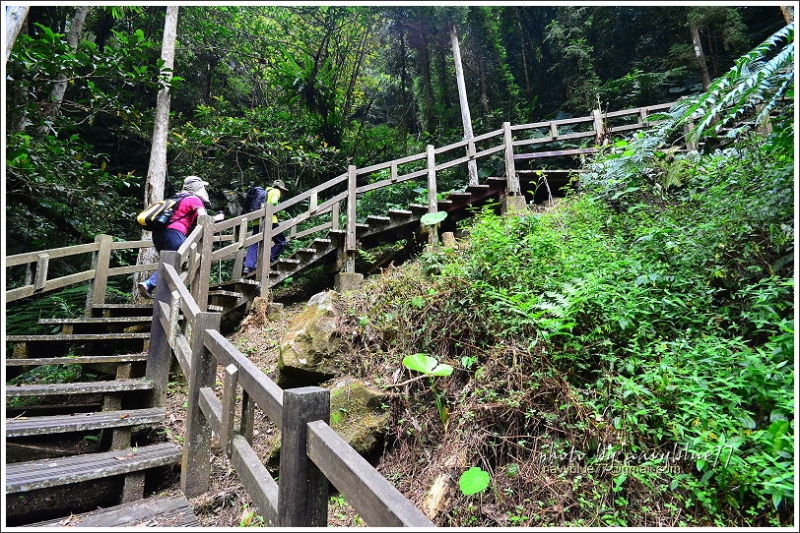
(625, 359)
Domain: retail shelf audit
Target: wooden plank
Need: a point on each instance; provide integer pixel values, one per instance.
(46, 425)
(50, 285)
(163, 512)
(376, 500)
(77, 337)
(303, 489)
(33, 475)
(256, 479)
(260, 388)
(119, 385)
(96, 320)
(79, 360)
(67, 251)
(555, 153)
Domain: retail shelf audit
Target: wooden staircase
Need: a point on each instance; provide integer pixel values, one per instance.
(95, 432)
(110, 407)
(378, 230)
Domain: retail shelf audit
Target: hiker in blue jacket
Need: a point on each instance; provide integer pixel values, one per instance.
(273, 196)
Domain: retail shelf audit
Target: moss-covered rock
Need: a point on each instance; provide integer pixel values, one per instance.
(307, 349)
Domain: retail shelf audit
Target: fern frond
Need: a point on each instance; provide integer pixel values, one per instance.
(754, 84)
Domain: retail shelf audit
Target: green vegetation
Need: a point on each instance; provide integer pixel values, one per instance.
(473, 481)
(428, 366)
(626, 358)
(630, 350)
(261, 92)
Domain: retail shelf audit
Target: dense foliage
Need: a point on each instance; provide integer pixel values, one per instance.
(298, 93)
(647, 322)
(647, 319)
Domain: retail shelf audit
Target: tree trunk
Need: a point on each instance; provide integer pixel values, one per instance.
(60, 88)
(15, 18)
(157, 171)
(701, 59)
(523, 53)
(472, 166)
(788, 14)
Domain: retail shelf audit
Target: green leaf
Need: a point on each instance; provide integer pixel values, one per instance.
(426, 365)
(429, 219)
(473, 481)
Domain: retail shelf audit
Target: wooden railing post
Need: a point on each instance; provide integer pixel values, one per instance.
(200, 286)
(433, 203)
(350, 243)
(159, 354)
(264, 263)
(100, 264)
(512, 180)
(335, 216)
(600, 136)
(472, 164)
(196, 462)
(303, 488)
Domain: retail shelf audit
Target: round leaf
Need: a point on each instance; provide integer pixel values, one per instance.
(426, 365)
(473, 481)
(429, 219)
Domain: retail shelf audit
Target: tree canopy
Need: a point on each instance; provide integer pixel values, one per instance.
(298, 93)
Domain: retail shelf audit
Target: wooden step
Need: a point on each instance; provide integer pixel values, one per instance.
(224, 293)
(160, 511)
(145, 309)
(81, 387)
(458, 196)
(97, 320)
(46, 425)
(400, 213)
(322, 243)
(306, 251)
(79, 360)
(77, 337)
(69, 326)
(375, 220)
(495, 182)
(287, 263)
(32, 475)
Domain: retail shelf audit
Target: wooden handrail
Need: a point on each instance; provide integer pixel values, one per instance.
(231, 236)
(301, 497)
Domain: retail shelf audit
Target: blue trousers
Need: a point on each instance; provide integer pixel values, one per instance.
(278, 244)
(166, 239)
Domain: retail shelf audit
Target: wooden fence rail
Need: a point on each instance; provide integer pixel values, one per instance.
(323, 204)
(311, 454)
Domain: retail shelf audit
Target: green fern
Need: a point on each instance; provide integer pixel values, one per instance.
(753, 87)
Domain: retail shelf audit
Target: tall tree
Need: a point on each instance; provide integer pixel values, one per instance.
(157, 172)
(466, 118)
(60, 87)
(788, 13)
(15, 18)
(700, 57)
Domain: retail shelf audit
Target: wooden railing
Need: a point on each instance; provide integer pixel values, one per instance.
(311, 453)
(499, 148)
(323, 205)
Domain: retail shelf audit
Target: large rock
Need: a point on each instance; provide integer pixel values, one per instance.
(359, 414)
(307, 350)
(310, 354)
